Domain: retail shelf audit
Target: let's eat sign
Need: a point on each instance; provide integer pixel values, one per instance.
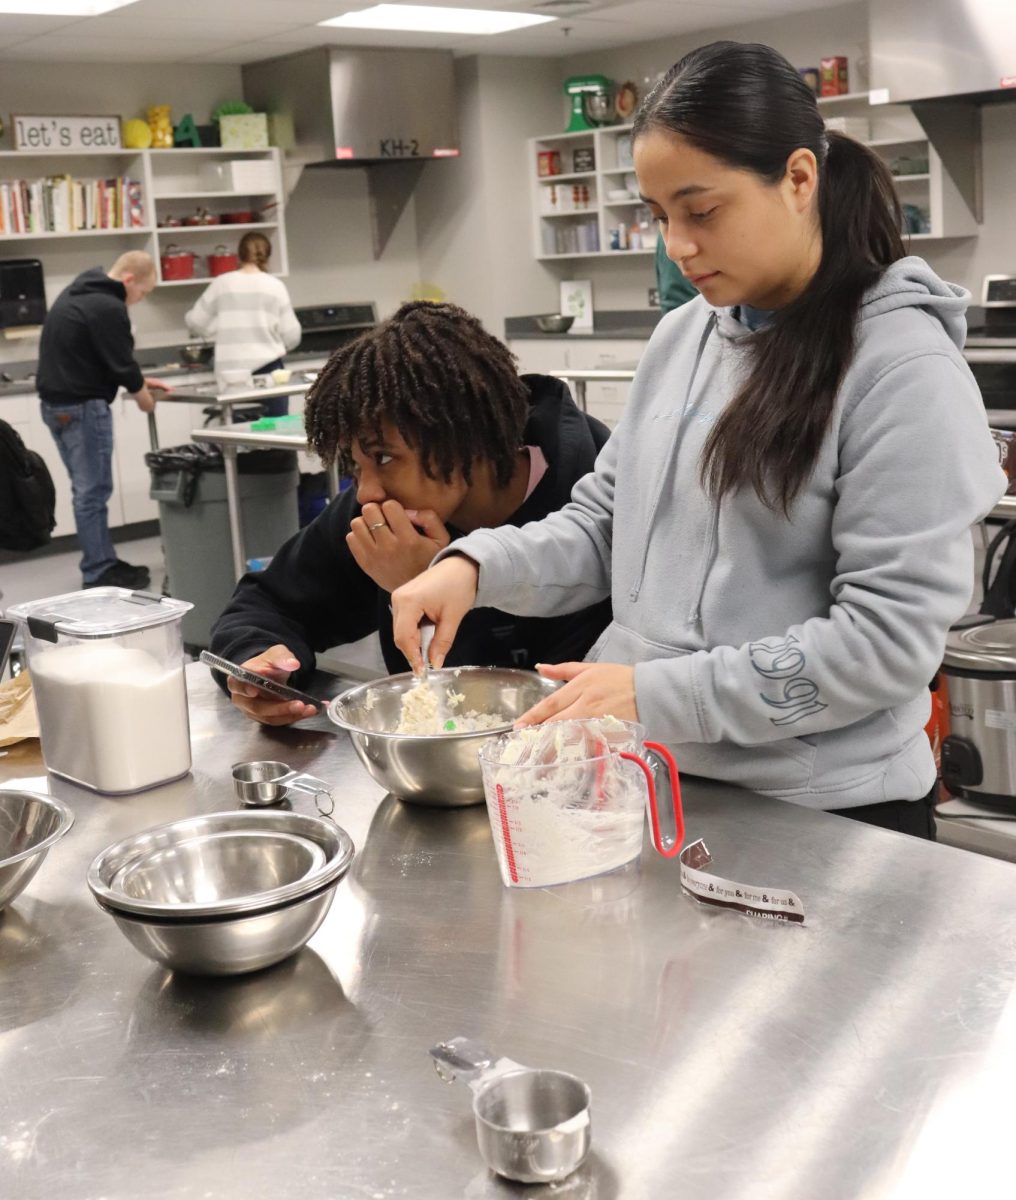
(62, 134)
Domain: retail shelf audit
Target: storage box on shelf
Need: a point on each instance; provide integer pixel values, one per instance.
(933, 206)
(583, 198)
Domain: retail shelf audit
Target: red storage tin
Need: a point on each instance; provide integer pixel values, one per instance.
(177, 264)
(221, 261)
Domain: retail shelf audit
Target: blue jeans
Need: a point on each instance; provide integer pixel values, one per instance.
(84, 436)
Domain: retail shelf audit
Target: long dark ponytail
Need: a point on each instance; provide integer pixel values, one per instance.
(745, 105)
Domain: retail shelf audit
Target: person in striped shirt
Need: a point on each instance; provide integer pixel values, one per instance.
(249, 314)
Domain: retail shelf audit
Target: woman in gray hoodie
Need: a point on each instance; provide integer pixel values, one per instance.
(782, 516)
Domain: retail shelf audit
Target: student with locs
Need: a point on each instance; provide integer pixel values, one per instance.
(782, 516)
(442, 435)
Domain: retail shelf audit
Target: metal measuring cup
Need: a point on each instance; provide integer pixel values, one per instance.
(533, 1125)
(264, 782)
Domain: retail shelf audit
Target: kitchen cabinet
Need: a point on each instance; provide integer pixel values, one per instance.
(574, 211)
(552, 356)
(168, 184)
(926, 189)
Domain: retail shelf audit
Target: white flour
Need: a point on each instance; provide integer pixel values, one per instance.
(565, 815)
(112, 718)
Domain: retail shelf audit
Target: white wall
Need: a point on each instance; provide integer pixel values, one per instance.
(473, 218)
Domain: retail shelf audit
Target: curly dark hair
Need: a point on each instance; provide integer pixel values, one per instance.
(451, 389)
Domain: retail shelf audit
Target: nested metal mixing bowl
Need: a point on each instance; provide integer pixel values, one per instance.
(30, 824)
(229, 945)
(440, 769)
(224, 893)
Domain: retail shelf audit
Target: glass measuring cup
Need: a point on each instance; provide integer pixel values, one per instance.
(566, 800)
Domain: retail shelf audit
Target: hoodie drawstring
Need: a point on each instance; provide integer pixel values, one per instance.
(636, 587)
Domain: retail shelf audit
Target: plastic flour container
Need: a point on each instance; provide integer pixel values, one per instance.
(107, 668)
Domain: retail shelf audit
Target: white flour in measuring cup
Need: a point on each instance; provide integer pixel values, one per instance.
(116, 717)
(562, 805)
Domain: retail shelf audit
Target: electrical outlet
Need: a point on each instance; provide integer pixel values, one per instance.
(654, 297)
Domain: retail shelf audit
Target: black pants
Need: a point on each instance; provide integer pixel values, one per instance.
(916, 817)
(278, 406)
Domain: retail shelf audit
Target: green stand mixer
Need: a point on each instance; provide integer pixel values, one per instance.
(592, 98)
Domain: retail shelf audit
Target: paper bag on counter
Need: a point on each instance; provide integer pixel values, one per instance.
(18, 717)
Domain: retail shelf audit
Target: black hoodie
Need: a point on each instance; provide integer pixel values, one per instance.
(313, 596)
(87, 349)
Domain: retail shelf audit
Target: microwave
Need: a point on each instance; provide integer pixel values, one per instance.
(22, 292)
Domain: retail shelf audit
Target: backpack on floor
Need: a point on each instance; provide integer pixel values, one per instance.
(27, 494)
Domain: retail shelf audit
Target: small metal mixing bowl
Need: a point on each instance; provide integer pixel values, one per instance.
(555, 322)
(220, 865)
(29, 825)
(440, 769)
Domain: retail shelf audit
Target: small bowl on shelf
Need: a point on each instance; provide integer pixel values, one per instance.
(554, 322)
(619, 194)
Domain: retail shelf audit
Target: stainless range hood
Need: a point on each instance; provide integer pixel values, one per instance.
(946, 59)
(389, 111)
(936, 49)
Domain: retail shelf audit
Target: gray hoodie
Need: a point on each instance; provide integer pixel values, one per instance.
(790, 656)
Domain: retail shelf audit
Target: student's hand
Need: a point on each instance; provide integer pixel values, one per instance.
(144, 400)
(591, 690)
(443, 594)
(157, 385)
(393, 545)
(278, 663)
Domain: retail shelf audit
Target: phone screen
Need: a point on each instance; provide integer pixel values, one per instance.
(7, 632)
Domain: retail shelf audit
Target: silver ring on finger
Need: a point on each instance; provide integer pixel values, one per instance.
(378, 525)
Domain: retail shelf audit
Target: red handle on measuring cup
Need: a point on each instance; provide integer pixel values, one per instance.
(675, 793)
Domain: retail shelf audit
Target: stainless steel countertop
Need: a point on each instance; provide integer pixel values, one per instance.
(869, 1053)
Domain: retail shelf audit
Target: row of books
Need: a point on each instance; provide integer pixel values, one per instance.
(62, 204)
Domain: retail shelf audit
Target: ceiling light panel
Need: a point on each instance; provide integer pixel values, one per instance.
(420, 18)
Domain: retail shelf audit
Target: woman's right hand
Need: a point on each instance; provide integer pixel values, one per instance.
(443, 594)
(277, 663)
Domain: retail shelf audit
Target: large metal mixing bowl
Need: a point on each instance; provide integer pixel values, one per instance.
(29, 825)
(439, 769)
(228, 945)
(222, 864)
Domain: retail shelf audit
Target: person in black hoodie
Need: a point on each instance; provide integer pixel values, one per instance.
(442, 435)
(85, 355)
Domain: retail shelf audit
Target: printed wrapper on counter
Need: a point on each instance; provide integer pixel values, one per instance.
(771, 904)
(18, 718)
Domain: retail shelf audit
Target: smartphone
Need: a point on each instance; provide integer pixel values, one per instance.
(266, 685)
(7, 632)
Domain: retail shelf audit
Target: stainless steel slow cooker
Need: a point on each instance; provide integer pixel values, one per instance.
(979, 752)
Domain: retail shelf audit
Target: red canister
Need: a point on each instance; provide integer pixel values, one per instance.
(222, 261)
(177, 264)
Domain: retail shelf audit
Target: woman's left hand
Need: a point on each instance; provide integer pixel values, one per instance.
(393, 547)
(590, 690)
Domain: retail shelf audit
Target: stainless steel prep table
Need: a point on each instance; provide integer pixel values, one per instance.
(869, 1053)
(225, 400)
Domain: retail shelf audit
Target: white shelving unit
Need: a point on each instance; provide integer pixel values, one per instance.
(171, 186)
(574, 206)
(896, 135)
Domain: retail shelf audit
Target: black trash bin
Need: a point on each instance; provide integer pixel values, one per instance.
(189, 482)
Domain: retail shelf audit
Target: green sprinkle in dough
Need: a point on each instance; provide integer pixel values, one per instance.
(449, 725)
